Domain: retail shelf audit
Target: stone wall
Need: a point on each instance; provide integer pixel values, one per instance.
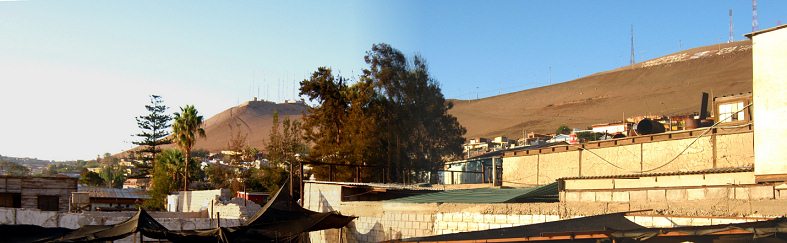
(721, 150)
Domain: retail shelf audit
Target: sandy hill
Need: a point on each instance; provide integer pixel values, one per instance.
(669, 85)
(252, 119)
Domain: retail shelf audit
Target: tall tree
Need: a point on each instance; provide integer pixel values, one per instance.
(185, 129)
(419, 131)
(283, 147)
(155, 128)
(395, 116)
(165, 175)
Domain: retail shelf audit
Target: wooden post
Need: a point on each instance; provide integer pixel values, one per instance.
(494, 172)
(300, 183)
(218, 220)
(483, 172)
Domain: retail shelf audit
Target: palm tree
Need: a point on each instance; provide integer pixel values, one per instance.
(185, 129)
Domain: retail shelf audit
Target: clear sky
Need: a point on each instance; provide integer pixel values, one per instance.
(74, 74)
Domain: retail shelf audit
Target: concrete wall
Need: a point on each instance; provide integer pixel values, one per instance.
(380, 220)
(195, 201)
(770, 76)
(237, 208)
(695, 180)
(173, 221)
(678, 195)
(708, 152)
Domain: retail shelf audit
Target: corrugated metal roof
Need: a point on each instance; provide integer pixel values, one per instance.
(486, 195)
(418, 187)
(101, 192)
(695, 172)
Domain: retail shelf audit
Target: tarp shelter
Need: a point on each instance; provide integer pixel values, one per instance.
(774, 230)
(617, 228)
(576, 229)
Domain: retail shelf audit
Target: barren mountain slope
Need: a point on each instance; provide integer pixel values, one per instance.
(669, 85)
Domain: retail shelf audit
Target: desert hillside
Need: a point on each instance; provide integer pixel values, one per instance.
(669, 85)
(252, 119)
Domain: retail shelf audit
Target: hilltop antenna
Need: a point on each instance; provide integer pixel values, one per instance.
(550, 75)
(731, 39)
(632, 45)
(754, 23)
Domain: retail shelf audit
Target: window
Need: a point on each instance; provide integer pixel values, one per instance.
(48, 203)
(731, 112)
(10, 200)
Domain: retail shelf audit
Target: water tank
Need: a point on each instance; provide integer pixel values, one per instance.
(172, 203)
(647, 126)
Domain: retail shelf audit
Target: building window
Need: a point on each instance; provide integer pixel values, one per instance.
(731, 112)
(10, 200)
(48, 203)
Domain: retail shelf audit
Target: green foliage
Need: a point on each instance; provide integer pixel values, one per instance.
(283, 146)
(13, 169)
(396, 115)
(113, 175)
(563, 129)
(154, 128)
(90, 178)
(589, 136)
(185, 129)
(165, 178)
(219, 176)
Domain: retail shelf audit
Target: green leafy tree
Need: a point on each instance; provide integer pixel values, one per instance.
(185, 129)
(155, 128)
(589, 136)
(396, 116)
(13, 169)
(285, 144)
(165, 178)
(90, 178)
(421, 133)
(113, 175)
(563, 129)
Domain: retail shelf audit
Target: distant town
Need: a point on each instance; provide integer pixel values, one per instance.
(679, 148)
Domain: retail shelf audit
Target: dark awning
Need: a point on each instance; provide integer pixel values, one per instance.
(584, 225)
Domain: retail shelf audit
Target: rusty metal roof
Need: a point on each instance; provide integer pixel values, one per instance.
(695, 172)
(101, 192)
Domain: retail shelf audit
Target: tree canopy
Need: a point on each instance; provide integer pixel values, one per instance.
(155, 128)
(394, 116)
(186, 128)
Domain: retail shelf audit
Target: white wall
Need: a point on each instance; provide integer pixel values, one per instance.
(770, 102)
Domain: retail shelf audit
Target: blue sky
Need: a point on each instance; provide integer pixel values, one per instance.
(73, 74)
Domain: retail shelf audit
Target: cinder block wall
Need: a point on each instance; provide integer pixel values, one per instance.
(708, 152)
(380, 221)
